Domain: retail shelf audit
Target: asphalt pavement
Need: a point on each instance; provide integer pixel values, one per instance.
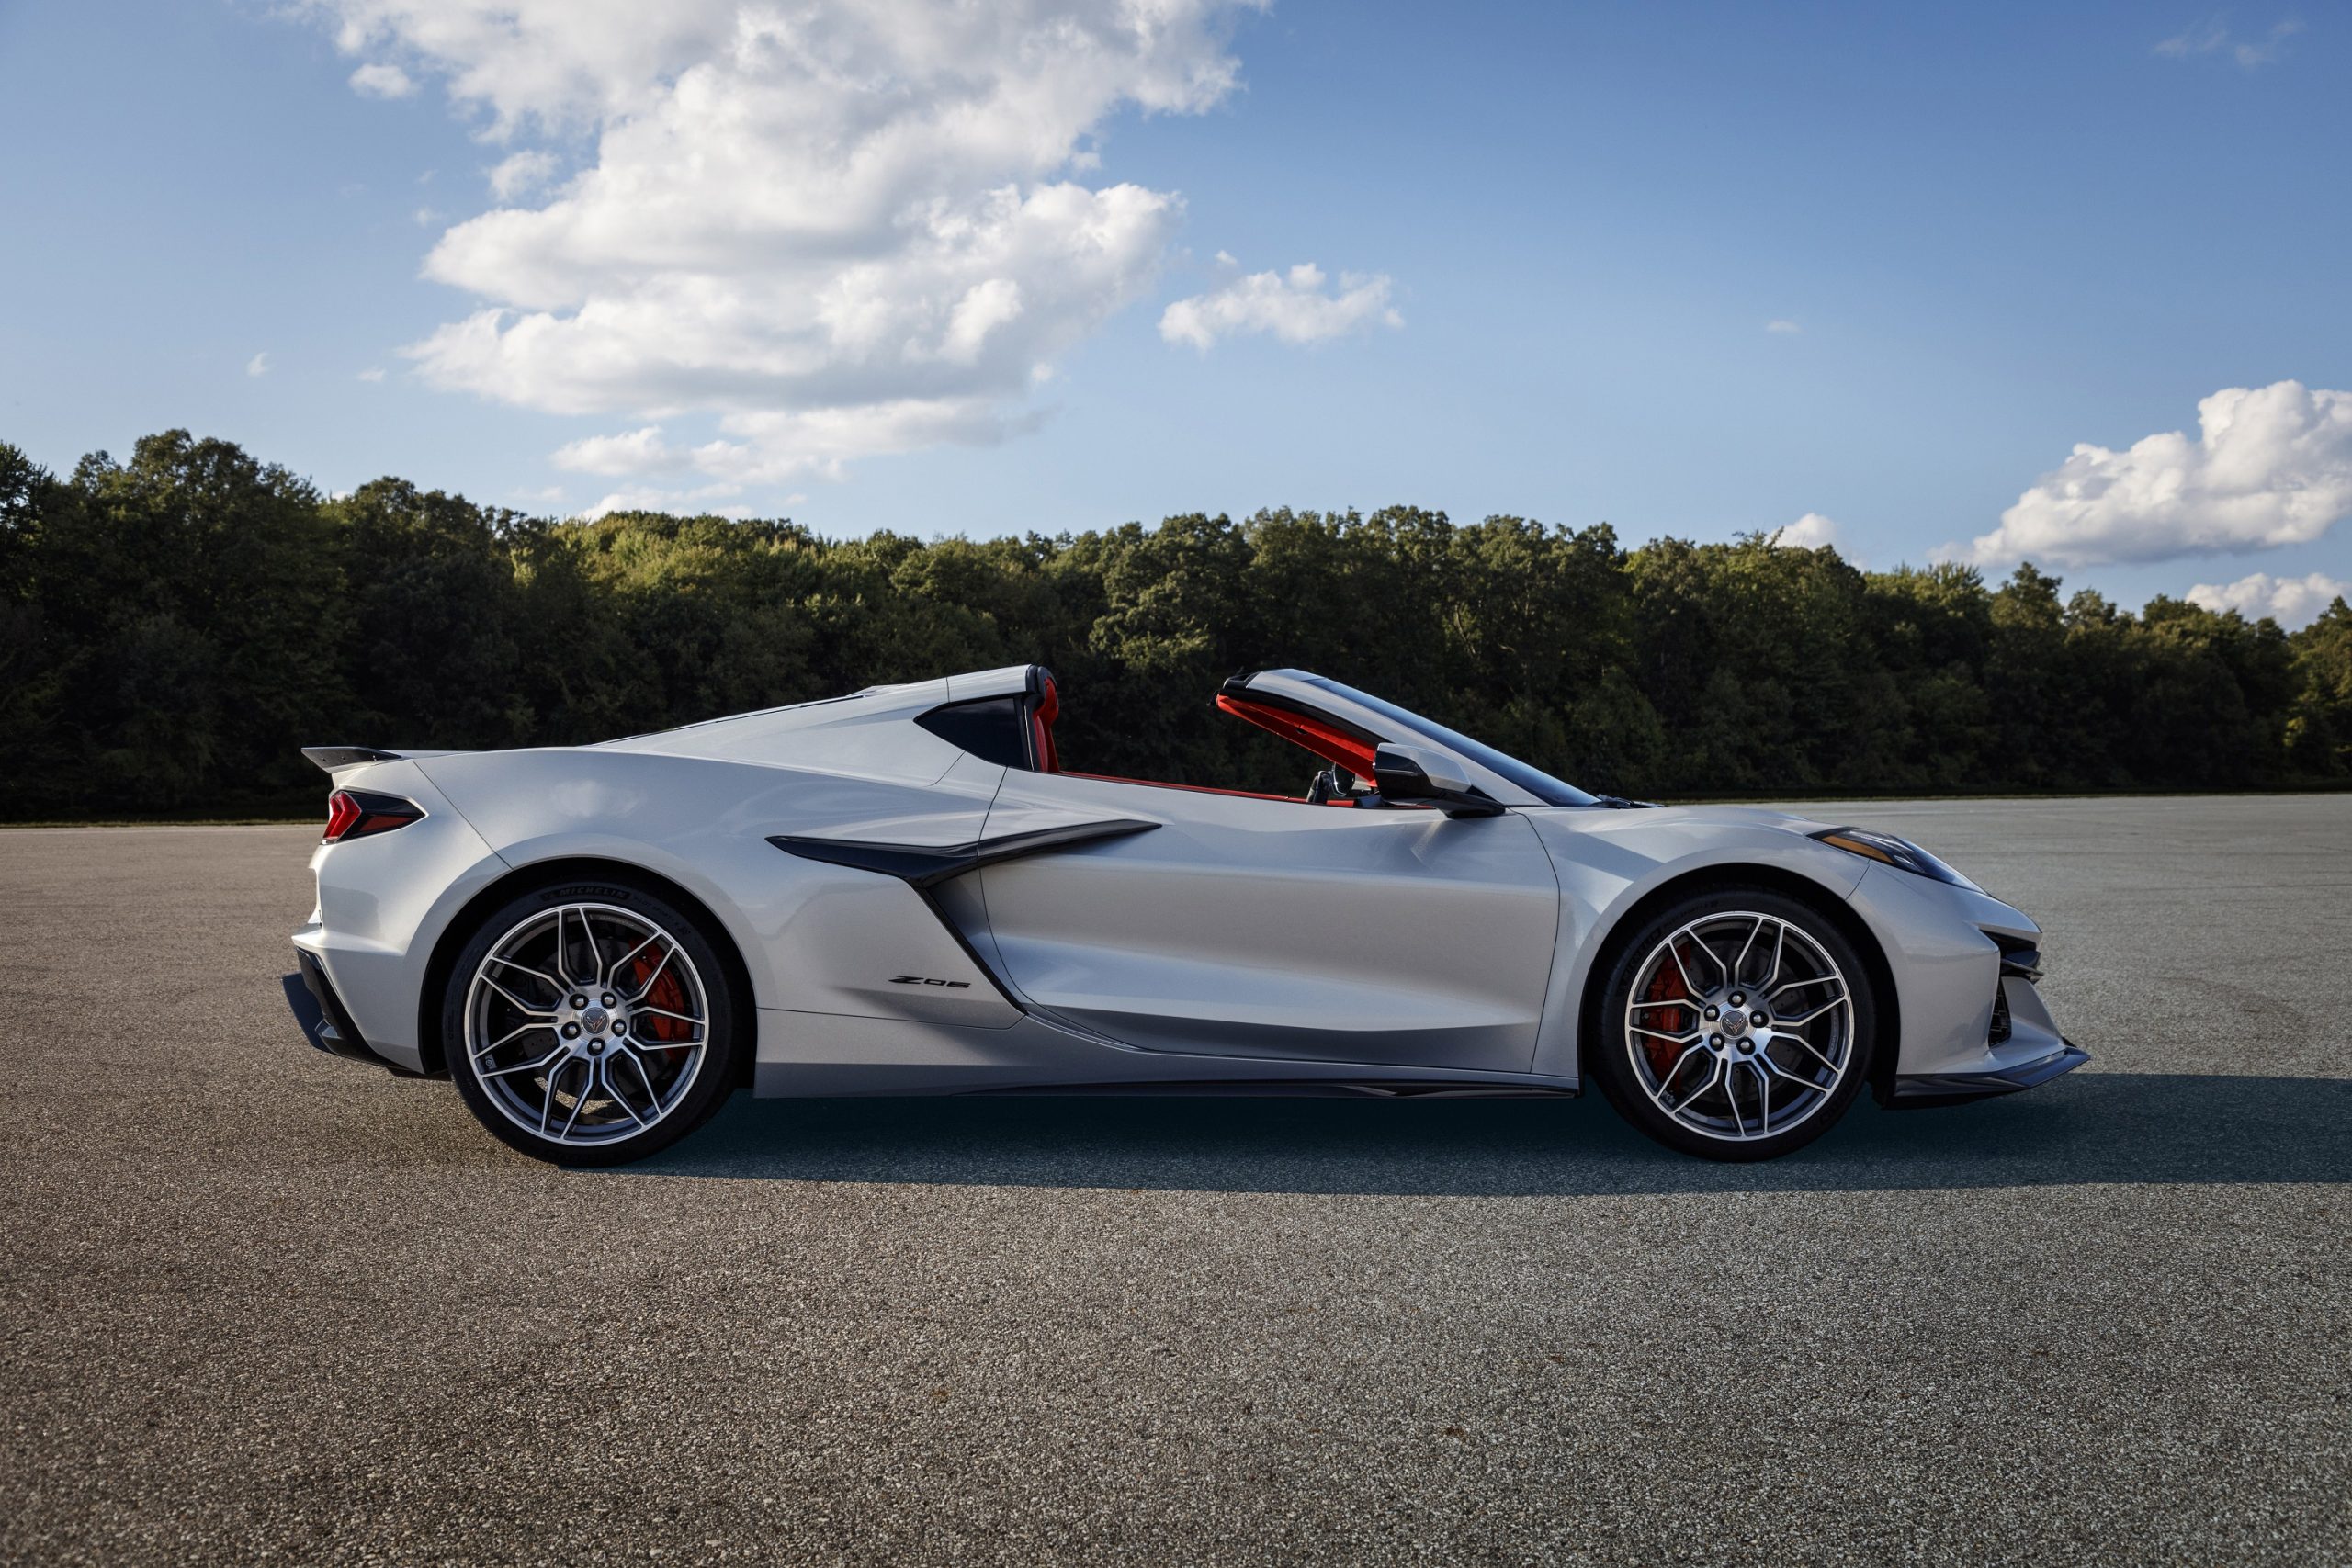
(257, 1303)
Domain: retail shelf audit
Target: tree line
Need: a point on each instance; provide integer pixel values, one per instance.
(174, 627)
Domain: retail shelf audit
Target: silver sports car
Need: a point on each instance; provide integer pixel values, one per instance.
(902, 891)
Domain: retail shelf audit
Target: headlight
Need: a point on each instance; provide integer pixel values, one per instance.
(1888, 850)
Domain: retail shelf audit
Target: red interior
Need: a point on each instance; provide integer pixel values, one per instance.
(1300, 730)
(1041, 724)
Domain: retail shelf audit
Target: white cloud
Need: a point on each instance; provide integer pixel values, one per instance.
(2203, 37)
(258, 365)
(694, 503)
(2270, 466)
(635, 451)
(426, 217)
(1291, 306)
(1789, 328)
(834, 228)
(2212, 37)
(382, 82)
(373, 373)
(1809, 532)
(520, 173)
(2290, 600)
(770, 448)
(2253, 55)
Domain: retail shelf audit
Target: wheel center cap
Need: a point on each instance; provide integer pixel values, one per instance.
(1735, 1023)
(594, 1019)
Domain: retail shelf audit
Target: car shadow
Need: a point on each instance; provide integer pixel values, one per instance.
(2087, 1128)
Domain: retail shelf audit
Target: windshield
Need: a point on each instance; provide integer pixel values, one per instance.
(1534, 781)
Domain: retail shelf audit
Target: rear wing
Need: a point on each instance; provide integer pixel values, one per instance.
(334, 760)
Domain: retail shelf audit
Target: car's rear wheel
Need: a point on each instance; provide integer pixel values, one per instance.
(590, 1024)
(1738, 1024)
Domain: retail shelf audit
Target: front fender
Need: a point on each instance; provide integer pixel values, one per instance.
(1938, 939)
(1610, 862)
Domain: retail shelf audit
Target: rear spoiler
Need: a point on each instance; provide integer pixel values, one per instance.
(332, 758)
(335, 759)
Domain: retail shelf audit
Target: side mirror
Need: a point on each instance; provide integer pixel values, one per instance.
(1419, 773)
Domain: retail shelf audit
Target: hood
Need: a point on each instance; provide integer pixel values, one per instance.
(1737, 817)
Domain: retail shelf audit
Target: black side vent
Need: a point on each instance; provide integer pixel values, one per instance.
(2000, 1031)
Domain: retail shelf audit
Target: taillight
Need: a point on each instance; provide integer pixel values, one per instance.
(356, 813)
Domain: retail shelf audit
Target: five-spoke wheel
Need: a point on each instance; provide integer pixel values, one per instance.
(589, 1025)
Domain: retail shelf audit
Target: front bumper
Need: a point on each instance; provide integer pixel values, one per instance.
(1921, 1090)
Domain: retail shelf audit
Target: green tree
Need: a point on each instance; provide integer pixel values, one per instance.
(173, 627)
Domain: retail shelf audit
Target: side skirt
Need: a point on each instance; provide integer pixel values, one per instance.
(1301, 1088)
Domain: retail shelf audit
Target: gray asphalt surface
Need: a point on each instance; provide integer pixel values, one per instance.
(254, 1301)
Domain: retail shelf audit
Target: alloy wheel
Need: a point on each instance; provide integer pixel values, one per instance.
(1740, 1026)
(586, 1023)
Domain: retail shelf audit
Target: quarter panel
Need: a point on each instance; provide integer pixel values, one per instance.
(819, 937)
(383, 901)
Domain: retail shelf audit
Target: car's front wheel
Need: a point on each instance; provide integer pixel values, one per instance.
(590, 1024)
(1738, 1024)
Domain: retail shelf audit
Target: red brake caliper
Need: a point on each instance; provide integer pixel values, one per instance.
(667, 994)
(1666, 987)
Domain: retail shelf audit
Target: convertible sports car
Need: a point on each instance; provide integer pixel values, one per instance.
(903, 892)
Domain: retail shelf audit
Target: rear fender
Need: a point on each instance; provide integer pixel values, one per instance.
(812, 936)
(383, 901)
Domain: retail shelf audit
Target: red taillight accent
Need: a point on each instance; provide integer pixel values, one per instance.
(357, 813)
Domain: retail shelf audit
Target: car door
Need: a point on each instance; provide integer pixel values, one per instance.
(1254, 926)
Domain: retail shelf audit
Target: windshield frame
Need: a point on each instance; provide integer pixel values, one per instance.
(1502, 765)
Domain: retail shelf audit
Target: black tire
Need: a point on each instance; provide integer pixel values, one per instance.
(622, 903)
(1610, 1054)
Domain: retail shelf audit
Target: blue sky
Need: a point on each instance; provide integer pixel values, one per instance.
(1551, 243)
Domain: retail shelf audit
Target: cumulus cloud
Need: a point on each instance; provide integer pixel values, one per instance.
(2213, 37)
(1785, 328)
(2270, 466)
(833, 228)
(1809, 532)
(2292, 601)
(258, 365)
(1292, 306)
(380, 81)
(373, 373)
(521, 172)
(692, 502)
